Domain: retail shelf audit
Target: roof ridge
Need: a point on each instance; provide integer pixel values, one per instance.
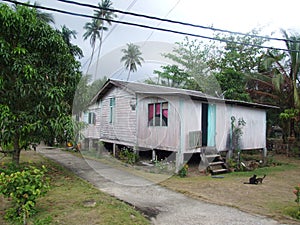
(172, 90)
(159, 86)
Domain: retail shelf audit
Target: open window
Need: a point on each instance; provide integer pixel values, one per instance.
(158, 114)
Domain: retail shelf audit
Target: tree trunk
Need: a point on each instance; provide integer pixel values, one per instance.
(292, 129)
(17, 151)
(128, 75)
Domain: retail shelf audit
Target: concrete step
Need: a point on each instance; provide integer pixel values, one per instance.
(219, 171)
(216, 163)
(212, 156)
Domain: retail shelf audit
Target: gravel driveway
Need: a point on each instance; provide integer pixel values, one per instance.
(161, 205)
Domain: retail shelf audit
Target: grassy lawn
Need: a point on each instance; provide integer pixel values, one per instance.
(274, 198)
(65, 203)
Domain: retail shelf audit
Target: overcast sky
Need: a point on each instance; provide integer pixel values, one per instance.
(235, 15)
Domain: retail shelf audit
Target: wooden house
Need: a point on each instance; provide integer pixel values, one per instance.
(157, 118)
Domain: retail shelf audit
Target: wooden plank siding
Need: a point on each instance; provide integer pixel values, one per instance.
(92, 131)
(123, 126)
(191, 121)
(254, 132)
(184, 116)
(130, 126)
(158, 137)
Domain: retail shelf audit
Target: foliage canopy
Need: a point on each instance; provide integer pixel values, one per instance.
(38, 78)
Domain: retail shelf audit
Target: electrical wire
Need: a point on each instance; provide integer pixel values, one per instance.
(174, 21)
(112, 29)
(162, 21)
(150, 27)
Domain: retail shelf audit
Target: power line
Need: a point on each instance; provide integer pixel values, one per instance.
(161, 21)
(113, 28)
(149, 27)
(174, 21)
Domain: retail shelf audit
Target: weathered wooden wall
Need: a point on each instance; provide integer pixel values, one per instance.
(123, 127)
(92, 131)
(190, 120)
(156, 137)
(254, 131)
(130, 126)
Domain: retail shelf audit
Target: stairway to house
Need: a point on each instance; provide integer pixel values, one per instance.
(213, 161)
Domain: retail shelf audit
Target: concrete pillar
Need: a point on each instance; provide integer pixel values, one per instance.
(265, 152)
(179, 161)
(136, 150)
(90, 144)
(179, 153)
(153, 155)
(114, 149)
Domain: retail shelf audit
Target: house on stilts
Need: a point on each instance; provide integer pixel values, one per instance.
(170, 121)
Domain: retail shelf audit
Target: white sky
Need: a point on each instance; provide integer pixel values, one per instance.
(235, 15)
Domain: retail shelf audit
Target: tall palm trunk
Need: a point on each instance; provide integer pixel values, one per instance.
(128, 75)
(92, 56)
(99, 50)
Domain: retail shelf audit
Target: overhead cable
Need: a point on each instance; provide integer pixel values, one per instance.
(173, 21)
(149, 27)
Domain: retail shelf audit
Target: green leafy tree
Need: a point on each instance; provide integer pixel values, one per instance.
(192, 55)
(38, 79)
(233, 85)
(211, 66)
(243, 58)
(172, 76)
(234, 64)
(132, 58)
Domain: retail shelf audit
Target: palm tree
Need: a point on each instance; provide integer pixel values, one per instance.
(67, 35)
(132, 58)
(46, 17)
(92, 32)
(286, 67)
(104, 15)
(95, 29)
(293, 45)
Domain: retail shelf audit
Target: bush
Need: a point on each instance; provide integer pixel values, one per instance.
(23, 188)
(183, 172)
(128, 156)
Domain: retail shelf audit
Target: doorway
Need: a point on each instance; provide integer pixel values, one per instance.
(208, 124)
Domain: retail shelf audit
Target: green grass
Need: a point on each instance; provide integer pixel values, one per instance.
(274, 198)
(64, 203)
(264, 170)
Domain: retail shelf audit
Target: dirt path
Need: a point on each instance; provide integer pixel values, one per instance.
(161, 205)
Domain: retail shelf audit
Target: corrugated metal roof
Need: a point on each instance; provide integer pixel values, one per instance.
(149, 89)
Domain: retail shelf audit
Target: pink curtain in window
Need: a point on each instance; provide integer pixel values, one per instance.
(150, 112)
(165, 113)
(157, 109)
